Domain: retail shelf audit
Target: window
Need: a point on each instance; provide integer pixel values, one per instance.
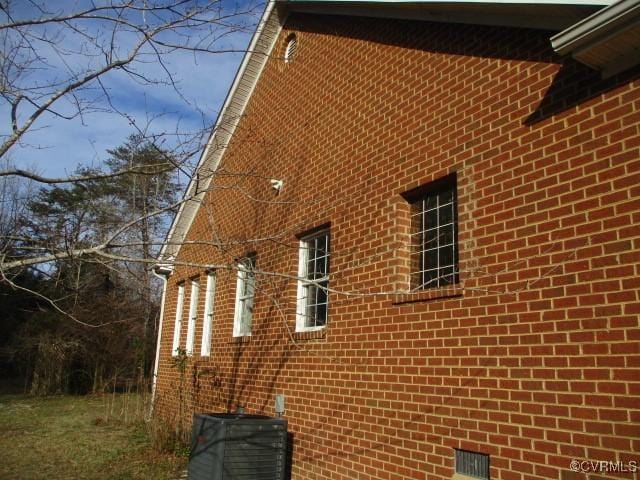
(245, 292)
(313, 282)
(434, 239)
(472, 464)
(209, 305)
(178, 324)
(193, 316)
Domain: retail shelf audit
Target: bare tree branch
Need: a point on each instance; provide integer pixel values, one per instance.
(138, 170)
(169, 20)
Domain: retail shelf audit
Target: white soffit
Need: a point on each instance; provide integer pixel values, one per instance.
(548, 15)
(608, 41)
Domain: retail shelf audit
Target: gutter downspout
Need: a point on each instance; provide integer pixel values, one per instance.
(162, 272)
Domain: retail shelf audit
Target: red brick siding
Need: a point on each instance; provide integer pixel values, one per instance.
(534, 358)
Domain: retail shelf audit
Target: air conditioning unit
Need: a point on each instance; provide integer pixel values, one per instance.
(238, 447)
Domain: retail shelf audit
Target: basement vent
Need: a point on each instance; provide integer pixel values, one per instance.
(472, 464)
(238, 447)
(292, 46)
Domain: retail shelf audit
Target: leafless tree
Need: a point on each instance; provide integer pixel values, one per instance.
(65, 63)
(59, 63)
(58, 56)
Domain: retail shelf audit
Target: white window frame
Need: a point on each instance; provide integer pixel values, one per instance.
(245, 294)
(209, 309)
(193, 316)
(302, 320)
(178, 324)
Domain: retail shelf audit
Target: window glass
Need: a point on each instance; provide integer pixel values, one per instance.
(434, 239)
(209, 307)
(193, 317)
(245, 291)
(313, 282)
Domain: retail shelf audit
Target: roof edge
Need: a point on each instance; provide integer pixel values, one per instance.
(232, 110)
(448, 2)
(595, 27)
(548, 15)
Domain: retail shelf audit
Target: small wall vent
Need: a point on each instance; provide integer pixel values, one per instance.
(290, 50)
(472, 464)
(238, 447)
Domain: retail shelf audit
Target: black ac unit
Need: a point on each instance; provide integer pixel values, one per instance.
(238, 447)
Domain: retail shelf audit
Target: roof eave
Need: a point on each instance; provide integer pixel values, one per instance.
(549, 15)
(608, 41)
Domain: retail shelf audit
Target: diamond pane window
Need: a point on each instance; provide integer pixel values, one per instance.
(313, 282)
(434, 239)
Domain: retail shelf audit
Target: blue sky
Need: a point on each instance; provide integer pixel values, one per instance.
(55, 146)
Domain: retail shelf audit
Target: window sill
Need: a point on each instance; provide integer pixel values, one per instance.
(430, 294)
(241, 339)
(310, 334)
(461, 476)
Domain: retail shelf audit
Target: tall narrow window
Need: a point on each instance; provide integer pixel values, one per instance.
(193, 316)
(313, 282)
(434, 240)
(209, 306)
(245, 292)
(178, 325)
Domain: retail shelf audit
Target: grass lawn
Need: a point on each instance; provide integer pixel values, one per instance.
(65, 437)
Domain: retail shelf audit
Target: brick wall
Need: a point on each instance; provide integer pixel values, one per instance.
(533, 358)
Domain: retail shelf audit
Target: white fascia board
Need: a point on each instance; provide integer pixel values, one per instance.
(548, 15)
(596, 27)
(232, 110)
(501, 2)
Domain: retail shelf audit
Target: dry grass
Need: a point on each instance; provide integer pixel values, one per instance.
(67, 437)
